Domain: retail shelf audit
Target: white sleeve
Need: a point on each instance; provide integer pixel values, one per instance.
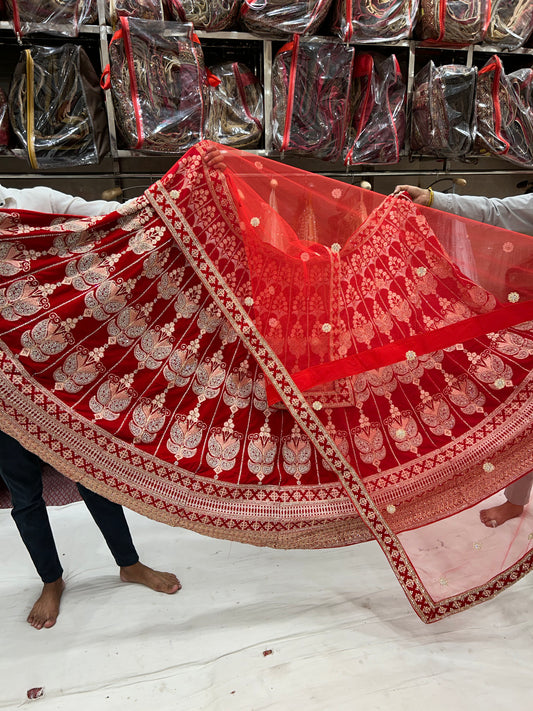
(43, 199)
(512, 213)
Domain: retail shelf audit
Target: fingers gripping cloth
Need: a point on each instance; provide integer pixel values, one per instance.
(56, 107)
(158, 82)
(443, 117)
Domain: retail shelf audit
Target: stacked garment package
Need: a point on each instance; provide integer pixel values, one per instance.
(334, 96)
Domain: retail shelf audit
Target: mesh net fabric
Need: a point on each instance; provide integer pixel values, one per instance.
(277, 358)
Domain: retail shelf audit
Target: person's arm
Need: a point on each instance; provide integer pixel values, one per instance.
(512, 213)
(43, 199)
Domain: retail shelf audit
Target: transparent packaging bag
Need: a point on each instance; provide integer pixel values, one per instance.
(511, 23)
(56, 107)
(454, 22)
(504, 119)
(209, 15)
(158, 83)
(310, 86)
(62, 17)
(5, 131)
(281, 19)
(143, 9)
(443, 110)
(376, 130)
(522, 80)
(371, 21)
(235, 116)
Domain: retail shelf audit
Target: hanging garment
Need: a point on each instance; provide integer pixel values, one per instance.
(313, 374)
(374, 21)
(504, 117)
(235, 114)
(158, 82)
(56, 107)
(443, 110)
(376, 129)
(310, 86)
(276, 18)
(208, 15)
(62, 17)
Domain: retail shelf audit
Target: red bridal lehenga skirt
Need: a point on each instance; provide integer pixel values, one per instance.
(277, 358)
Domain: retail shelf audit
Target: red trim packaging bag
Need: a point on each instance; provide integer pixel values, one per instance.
(56, 107)
(62, 17)
(371, 21)
(511, 23)
(142, 9)
(442, 114)
(376, 130)
(504, 119)
(454, 22)
(282, 19)
(158, 83)
(310, 86)
(213, 16)
(235, 115)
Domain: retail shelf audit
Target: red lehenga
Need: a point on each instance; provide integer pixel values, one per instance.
(274, 357)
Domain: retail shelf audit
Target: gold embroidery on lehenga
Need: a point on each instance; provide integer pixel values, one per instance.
(78, 370)
(111, 399)
(13, 259)
(46, 339)
(262, 452)
(21, 299)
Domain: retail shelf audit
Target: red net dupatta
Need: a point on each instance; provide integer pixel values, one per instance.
(269, 356)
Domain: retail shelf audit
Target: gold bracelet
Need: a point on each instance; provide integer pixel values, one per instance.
(431, 195)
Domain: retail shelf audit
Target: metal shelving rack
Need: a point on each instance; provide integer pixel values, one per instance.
(409, 166)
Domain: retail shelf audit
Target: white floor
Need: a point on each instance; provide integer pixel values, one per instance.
(252, 629)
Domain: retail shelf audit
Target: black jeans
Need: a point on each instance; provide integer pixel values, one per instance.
(21, 471)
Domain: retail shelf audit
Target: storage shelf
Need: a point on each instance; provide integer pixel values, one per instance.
(409, 166)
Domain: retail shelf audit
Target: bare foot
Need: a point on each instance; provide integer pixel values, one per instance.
(45, 611)
(500, 514)
(160, 582)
